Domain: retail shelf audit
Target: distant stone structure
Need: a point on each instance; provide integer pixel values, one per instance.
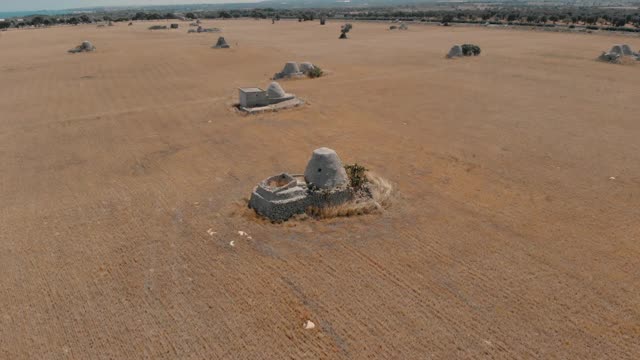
(86, 46)
(626, 50)
(221, 44)
(463, 50)
(456, 51)
(306, 67)
(619, 52)
(175, 26)
(254, 99)
(294, 70)
(290, 70)
(325, 183)
(276, 94)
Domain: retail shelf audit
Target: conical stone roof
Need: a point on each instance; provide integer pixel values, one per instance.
(455, 51)
(275, 91)
(325, 170)
(221, 44)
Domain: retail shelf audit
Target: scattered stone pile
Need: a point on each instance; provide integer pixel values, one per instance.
(293, 69)
(86, 46)
(325, 183)
(463, 50)
(221, 44)
(618, 53)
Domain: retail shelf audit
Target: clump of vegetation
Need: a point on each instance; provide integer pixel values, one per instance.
(470, 50)
(357, 175)
(316, 72)
(344, 30)
(158, 27)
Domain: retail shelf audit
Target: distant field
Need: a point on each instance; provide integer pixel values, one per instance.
(125, 172)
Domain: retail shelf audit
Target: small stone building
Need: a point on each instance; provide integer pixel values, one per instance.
(253, 97)
(325, 183)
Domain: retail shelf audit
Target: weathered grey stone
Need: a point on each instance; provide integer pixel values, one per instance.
(276, 94)
(221, 44)
(290, 69)
(279, 197)
(456, 51)
(626, 50)
(616, 49)
(325, 170)
(610, 57)
(86, 46)
(306, 67)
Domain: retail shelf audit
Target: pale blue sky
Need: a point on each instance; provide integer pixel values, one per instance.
(19, 5)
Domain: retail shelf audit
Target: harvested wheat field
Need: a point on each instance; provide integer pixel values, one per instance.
(513, 231)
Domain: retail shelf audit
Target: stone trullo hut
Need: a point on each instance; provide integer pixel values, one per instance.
(86, 46)
(221, 44)
(306, 67)
(325, 183)
(294, 70)
(290, 70)
(618, 52)
(456, 51)
(253, 99)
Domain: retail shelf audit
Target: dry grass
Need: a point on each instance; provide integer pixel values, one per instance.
(380, 190)
(518, 238)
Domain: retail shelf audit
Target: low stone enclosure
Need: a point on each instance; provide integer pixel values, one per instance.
(255, 100)
(294, 70)
(325, 189)
(618, 54)
(463, 50)
(221, 44)
(86, 46)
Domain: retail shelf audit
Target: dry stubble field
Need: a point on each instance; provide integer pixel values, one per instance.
(508, 237)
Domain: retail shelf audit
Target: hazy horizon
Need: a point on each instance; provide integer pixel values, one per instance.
(32, 5)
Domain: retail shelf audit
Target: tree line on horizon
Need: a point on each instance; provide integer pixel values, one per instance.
(591, 17)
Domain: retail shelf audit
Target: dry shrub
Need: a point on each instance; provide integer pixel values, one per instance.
(376, 198)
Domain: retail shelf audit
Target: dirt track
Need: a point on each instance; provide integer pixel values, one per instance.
(508, 238)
